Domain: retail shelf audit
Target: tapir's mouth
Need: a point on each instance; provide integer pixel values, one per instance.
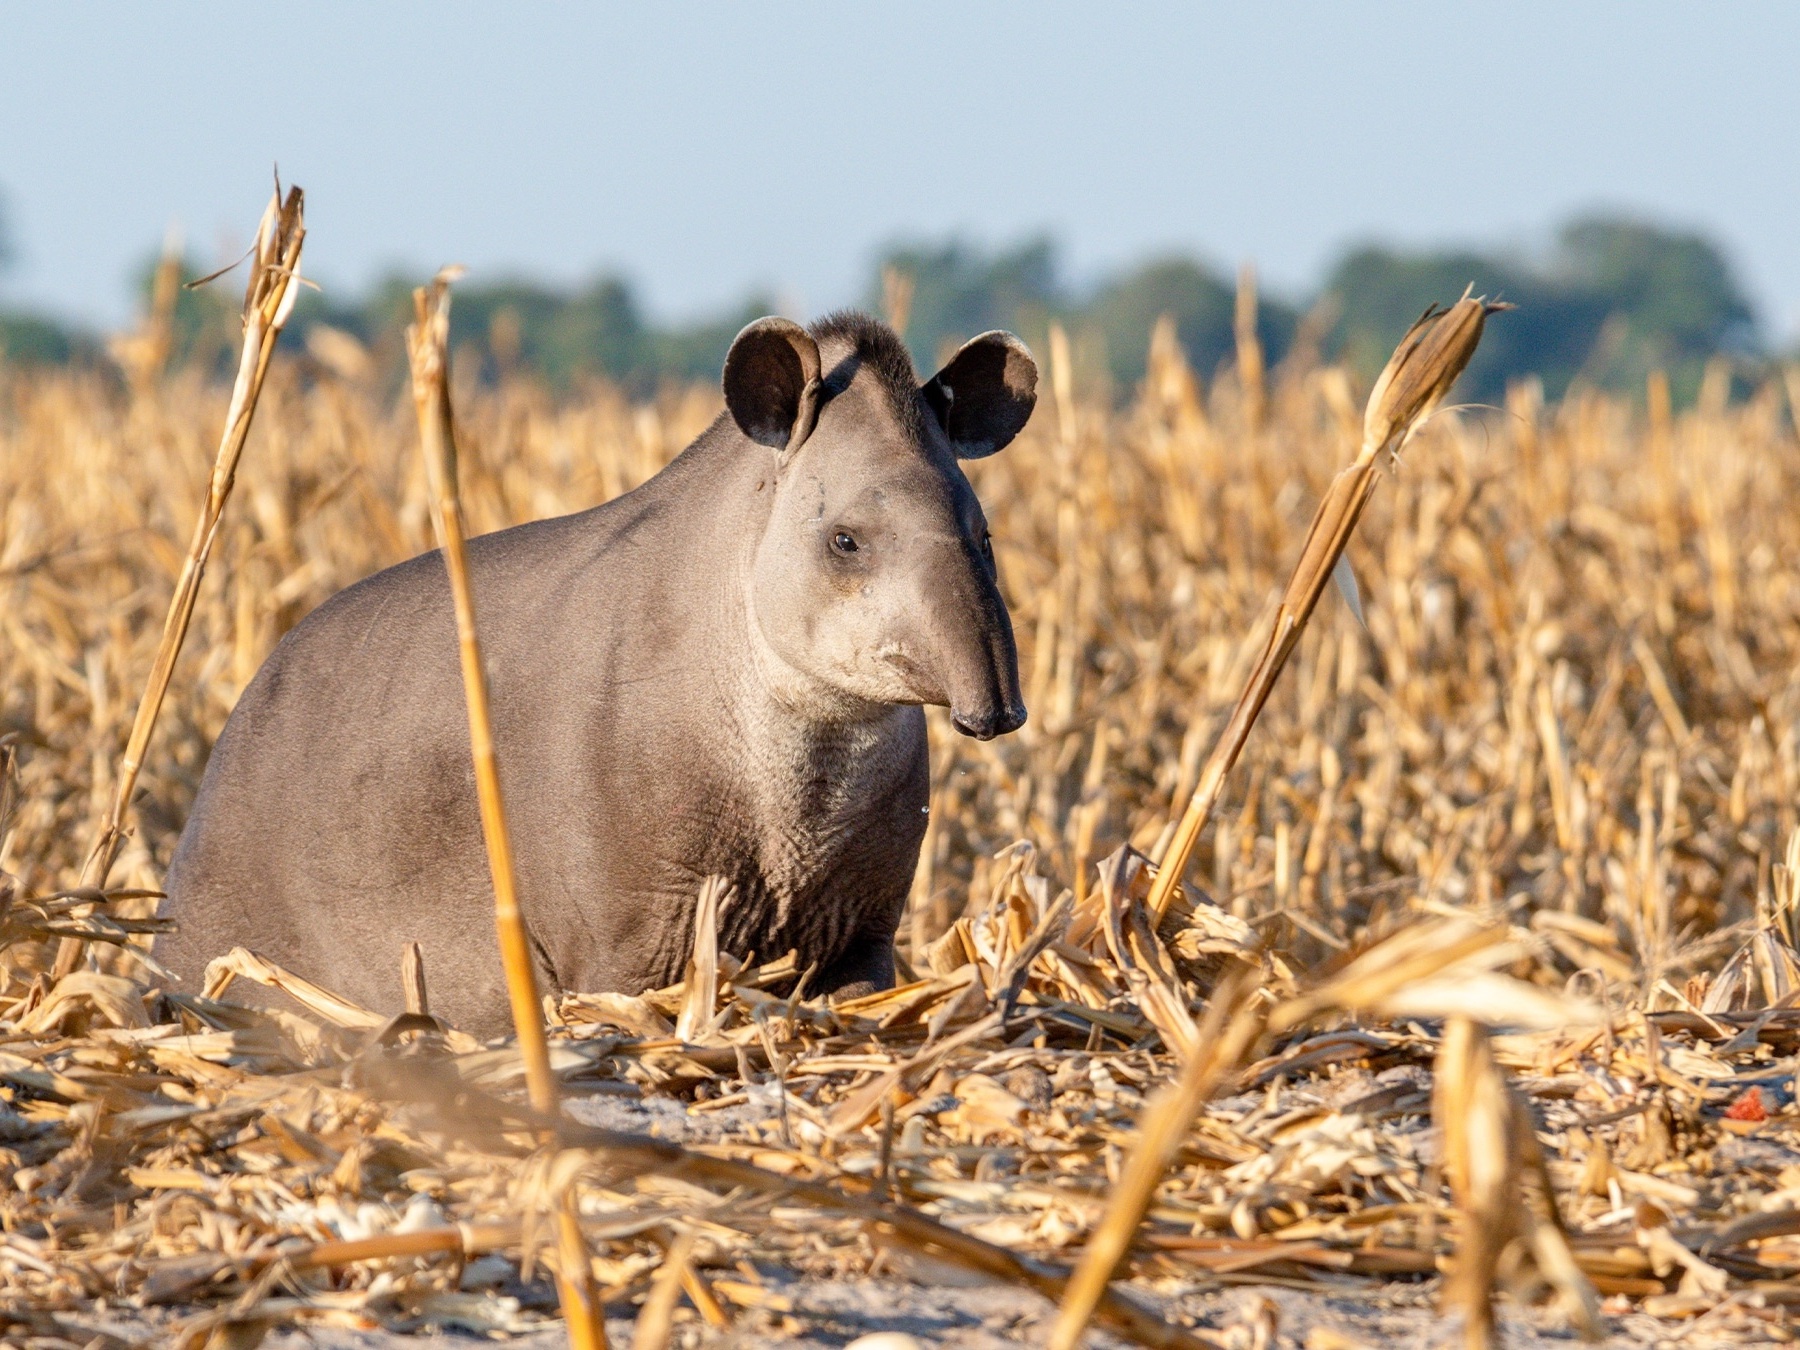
(903, 663)
(986, 725)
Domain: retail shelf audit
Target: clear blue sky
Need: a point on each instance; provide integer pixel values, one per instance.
(702, 149)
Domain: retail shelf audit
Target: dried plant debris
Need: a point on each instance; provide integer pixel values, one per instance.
(1491, 986)
(354, 1171)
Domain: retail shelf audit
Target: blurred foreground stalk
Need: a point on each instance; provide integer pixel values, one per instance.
(1499, 1182)
(427, 343)
(1415, 380)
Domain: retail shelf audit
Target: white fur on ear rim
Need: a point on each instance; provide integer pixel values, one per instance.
(985, 394)
(772, 383)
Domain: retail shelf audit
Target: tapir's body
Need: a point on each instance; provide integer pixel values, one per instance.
(659, 716)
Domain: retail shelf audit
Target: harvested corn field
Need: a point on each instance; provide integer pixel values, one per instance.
(1484, 980)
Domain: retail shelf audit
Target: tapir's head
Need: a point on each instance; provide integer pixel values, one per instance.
(875, 575)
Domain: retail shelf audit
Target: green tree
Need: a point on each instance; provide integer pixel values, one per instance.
(960, 290)
(1380, 292)
(563, 338)
(1615, 299)
(696, 351)
(1670, 298)
(31, 339)
(1202, 302)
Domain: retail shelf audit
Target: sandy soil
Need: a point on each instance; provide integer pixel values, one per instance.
(835, 1313)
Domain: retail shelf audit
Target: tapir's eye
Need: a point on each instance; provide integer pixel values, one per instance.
(987, 546)
(843, 542)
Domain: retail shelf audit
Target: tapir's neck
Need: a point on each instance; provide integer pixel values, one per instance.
(789, 691)
(783, 725)
(750, 671)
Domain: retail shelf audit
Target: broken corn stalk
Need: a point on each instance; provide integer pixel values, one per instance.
(1415, 380)
(269, 297)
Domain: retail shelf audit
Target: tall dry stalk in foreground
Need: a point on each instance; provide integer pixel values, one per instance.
(269, 297)
(1418, 375)
(427, 344)
(1415, 380)
(1233, 1023)
(1490, 1157)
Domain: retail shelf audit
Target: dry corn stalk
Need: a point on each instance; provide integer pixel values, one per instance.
(1442, 968)
(322, 1003)
(1415, 380)
(1483, 1168)
(656, 1319)
(269, 297)
(1421, 971)
(1765, 971)
(427, 348)
(1252, 382)
(1233, 1022)
(143, 353)
(1491, 1157)
(694, 1023)
(897, 296)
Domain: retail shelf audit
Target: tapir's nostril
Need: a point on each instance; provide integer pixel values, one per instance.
(987, 725)
(982, 727)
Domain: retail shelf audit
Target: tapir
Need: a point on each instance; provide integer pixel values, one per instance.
(722, 672)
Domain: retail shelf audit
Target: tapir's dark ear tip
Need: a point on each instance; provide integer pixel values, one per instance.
(985, 395)
(1021, 366)
(771, 382)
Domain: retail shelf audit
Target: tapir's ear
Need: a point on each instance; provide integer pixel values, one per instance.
(772, 383)
(984, 397)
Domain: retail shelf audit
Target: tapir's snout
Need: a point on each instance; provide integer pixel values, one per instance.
(985, 699)
(989, 722)
(978, 659)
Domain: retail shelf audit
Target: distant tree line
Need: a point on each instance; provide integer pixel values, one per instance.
(1614, 300)
(1611, 301)
(29, 337)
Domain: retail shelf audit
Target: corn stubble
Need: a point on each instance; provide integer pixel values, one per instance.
(428, 355)
(1515, 854)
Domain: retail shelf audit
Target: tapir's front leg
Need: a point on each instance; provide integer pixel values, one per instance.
(865, 966)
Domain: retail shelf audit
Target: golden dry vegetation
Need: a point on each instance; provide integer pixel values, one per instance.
(1561, 761)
